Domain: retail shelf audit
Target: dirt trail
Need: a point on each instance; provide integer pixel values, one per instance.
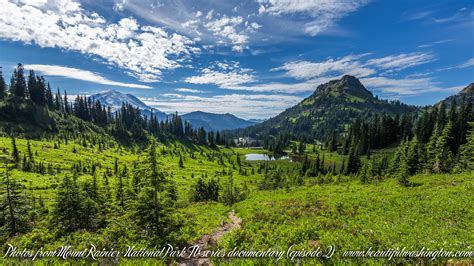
(208, 241)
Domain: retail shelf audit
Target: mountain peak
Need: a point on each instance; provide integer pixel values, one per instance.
(348, 86)
(114, 99)
(465, 94)
(350, 79)
(468, 90)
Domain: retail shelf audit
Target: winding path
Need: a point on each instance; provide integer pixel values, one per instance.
(208, 241)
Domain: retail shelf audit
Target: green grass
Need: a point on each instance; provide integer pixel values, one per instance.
(433, 213)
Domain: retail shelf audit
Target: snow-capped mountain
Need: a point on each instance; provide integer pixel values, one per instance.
(114, 100)
(208, 121)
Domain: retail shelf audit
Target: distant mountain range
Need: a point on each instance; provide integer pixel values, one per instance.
(209, 121)
(333, 106)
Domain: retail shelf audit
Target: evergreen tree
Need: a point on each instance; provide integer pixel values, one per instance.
(232, 193)
(152, 210)
(353, 162)
(18, 82)
(15, 152)
(120, 189)
(440, 158)
(205, 191)
(14, 207)
(403, 176)
(30, 153)
(3, 85)
(49, 98)
(91, 206)
(412, 157)
(181, 162)
(67, 213)
(467, 151)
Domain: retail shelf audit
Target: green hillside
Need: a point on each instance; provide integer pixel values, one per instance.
(329, 109)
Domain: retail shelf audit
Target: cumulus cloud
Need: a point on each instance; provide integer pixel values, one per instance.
(323, 13)
(224, 75)
(227, 27)
(79, 74)
(143, 51)
(242, 105)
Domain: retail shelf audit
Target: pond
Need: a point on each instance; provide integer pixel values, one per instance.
(264, 157)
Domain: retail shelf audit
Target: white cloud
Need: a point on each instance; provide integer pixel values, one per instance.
(402, 86)
(468, 63)
(227, 28)
(245, 106)
(428, 45)
(143, 51)
(406, 87)
(189, 90)
(369, 71)
(291, 88)
(401, 61)
(79, 74)
(308, 70)
(231, 76)
(323, 13)
(224, 75)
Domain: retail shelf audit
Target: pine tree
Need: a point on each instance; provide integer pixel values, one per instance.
(441, 157)
(15, 152)
(49, 97)
(120, 197)
(14, 207)
(91, 218)
(3, 85)
(353, 162)
(67, 214)
(181, 163)
(30, 153)
(403, 176)
(231, 193)
(466, 161)
(152, 210)
(18, 82)
(412, 157)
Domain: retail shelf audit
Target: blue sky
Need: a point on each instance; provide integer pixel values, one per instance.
(252, 58)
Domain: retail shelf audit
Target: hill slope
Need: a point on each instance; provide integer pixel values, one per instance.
(213, 122)
(332, 106)
(466, 93)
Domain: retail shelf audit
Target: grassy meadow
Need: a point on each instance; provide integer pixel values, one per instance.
(342, 212)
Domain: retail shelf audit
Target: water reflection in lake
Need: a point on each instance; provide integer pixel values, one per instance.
(264, 157)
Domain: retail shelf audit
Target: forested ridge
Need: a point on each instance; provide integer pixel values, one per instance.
(327, 112)
(29, 106)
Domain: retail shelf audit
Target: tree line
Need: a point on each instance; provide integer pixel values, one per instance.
(126, 124)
